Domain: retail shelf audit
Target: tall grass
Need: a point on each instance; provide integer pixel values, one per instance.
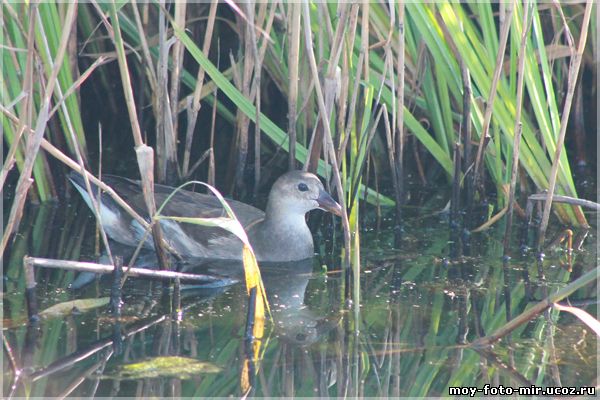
(50, 36)
(409, 65)
(358, 80)
(31, 39)
(442, 36)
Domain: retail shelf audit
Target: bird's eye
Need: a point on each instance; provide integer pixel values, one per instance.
(302, 187)
(301, 337)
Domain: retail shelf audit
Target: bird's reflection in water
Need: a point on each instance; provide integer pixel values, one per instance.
(285, 284)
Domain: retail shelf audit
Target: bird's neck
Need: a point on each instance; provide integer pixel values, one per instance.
(281, 219)
(282, 236)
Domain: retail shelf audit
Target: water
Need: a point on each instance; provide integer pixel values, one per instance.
(419, 310)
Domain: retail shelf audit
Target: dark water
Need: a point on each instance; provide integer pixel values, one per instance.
(418, 312)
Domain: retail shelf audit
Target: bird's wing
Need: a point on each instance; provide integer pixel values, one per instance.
(187, 204)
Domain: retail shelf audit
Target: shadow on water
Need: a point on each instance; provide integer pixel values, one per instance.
(420, 310)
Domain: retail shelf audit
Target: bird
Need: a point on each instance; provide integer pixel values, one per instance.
(279, 234)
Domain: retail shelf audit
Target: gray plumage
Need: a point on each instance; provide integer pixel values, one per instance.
(279, 234)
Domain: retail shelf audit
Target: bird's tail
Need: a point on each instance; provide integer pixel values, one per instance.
(79, 183)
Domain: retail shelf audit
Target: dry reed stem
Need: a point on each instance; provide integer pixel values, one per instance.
(365, 35)
(235, 71)
(9, 162)
(166, 142)
(399, 136)
(265, 44)
(211, 160)
(176, 65)
(145, 160)
(370, 135)
(193, 115)
(249, 85)
(208, 88)
(342, 101)
(352, 108)
(250, 6)
(571, 83)
(198, 162)
(82, 78)
(565, 27)
(504, 30)
(262, 12)
(115, 33)
(160, 97)
(107, 269)
(294, 64)
(324, 12)
(567, 200)
(305, 91)
(34, 141)
(333, 77)
(30, 292)
(331, 88)
(328, 137)
(11, 358)
(242, 120)
(239, 13)
(150, 72)
(338, 41)
(487, 224)
(95, 201)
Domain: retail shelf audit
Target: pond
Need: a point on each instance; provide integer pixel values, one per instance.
(410, 333)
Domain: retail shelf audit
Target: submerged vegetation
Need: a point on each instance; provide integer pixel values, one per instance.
(489, 100)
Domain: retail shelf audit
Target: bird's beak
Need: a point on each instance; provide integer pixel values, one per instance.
(327, 203)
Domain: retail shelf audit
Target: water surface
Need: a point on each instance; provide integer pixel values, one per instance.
(418, 312)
